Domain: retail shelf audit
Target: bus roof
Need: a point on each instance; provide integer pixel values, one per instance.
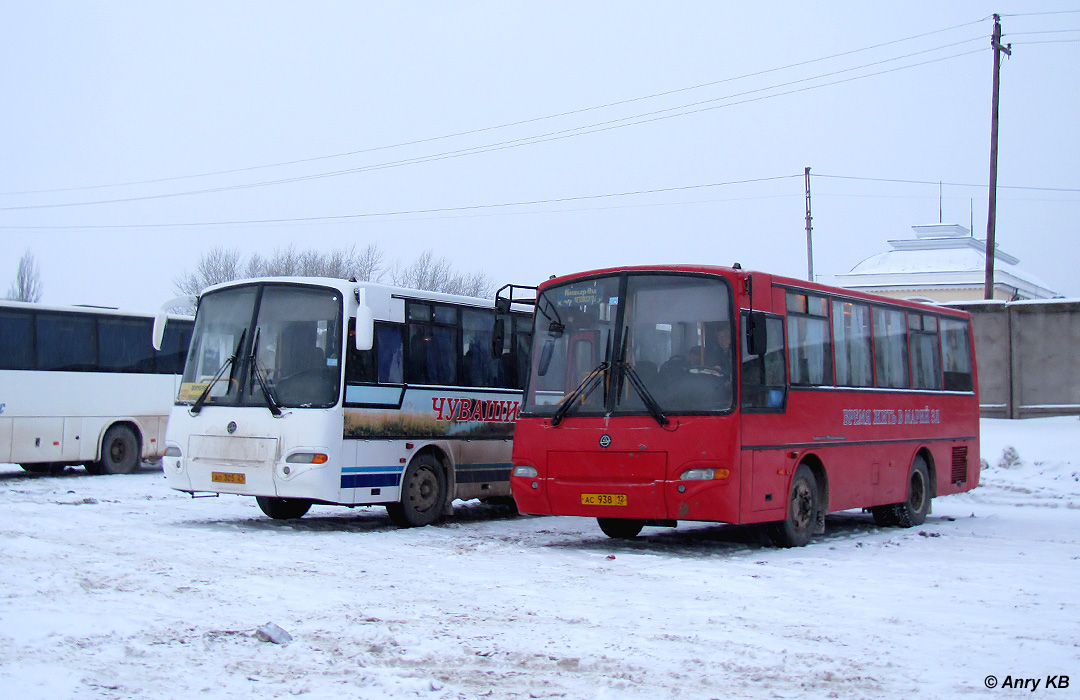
(777, 280)
(347, 287)
(86, 309)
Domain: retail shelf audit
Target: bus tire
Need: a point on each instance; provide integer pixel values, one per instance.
(119, 451)
(620, 528)
(283, 508)
(803, 505)
(913, 511)
(423, 493)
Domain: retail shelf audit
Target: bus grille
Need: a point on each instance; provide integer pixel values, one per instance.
(959, 464)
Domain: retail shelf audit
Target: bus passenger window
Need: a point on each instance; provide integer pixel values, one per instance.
(956, 355)
(891, 348)
(925, 351)
(809, 346)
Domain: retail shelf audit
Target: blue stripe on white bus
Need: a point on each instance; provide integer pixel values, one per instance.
(375, 477)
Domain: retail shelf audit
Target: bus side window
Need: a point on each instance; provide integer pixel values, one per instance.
(66, 343)
(16, 340)
(518, 362)
(925, 351)
(124, 345)
(956, 355)
(764, 381)
(809, 345)
(359, 364)
(382, 363)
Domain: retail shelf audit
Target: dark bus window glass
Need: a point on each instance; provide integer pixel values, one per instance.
(764, 384)
(925, 353)
(956, 355)
(679, 339)
(891, 348)
(66, 342)
(298, 352)
(851, 343)
(809, 346)
(16, 339)
(434, 354)
(222, 321)
(382, 363)
(480, 367)
(124, 345)
(174, 347)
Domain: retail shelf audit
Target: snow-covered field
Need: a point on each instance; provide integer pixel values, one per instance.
(117, 587)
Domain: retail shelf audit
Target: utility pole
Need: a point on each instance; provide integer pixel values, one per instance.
(991, 215)
(809, 230)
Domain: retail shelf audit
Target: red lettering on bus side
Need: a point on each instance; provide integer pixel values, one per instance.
(465, 409)
(437, 403)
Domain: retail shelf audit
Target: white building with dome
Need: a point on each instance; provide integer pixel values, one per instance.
(943, 263)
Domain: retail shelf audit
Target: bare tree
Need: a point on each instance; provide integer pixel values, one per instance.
(27, 285)
(426, 272)
(219, 265)
(439, 275)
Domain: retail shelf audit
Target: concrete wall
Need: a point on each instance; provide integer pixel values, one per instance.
(1028, 354)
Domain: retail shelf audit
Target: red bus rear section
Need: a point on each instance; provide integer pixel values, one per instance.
(636, 414)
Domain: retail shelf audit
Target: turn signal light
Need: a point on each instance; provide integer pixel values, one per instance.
(307, 458)
(705, 474)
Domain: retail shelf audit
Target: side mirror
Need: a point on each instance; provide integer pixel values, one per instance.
(161, 318)
(365, 325)
(757, 340)
(498, 337)
(546, 354)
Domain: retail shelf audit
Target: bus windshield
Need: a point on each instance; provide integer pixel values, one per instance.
(265, 345)
(633, 344)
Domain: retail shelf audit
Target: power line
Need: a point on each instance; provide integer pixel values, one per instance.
(474, 207)
(580, 198)
(509, 124)
(939, 182)
(622, 122)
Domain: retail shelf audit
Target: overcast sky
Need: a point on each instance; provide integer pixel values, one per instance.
(524, 139)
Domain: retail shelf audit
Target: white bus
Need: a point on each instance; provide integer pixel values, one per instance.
(312, 390)
(83, 385)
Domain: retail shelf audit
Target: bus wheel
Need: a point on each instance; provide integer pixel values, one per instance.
(119, 451)
(620, 528)
(423, 491)
(795, 530)
(283, 508)
(913, 511)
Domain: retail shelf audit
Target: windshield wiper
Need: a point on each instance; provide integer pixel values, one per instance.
(231, 360)
(646, 396)
(588, 384)
(271, 402)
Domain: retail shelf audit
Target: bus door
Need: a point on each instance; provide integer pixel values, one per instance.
(766, 462)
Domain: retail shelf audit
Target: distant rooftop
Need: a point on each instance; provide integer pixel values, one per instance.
(942, 257)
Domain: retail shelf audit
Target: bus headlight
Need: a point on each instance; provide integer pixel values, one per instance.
(527, 472)
(173, 451)
(307, 458)
(705, 474)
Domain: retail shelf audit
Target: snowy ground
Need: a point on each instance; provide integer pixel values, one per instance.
(117, 587)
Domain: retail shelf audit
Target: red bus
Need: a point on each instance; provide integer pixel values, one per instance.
(667, 393)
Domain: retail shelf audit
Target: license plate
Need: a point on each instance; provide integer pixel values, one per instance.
(228, 478)
(603, 499)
